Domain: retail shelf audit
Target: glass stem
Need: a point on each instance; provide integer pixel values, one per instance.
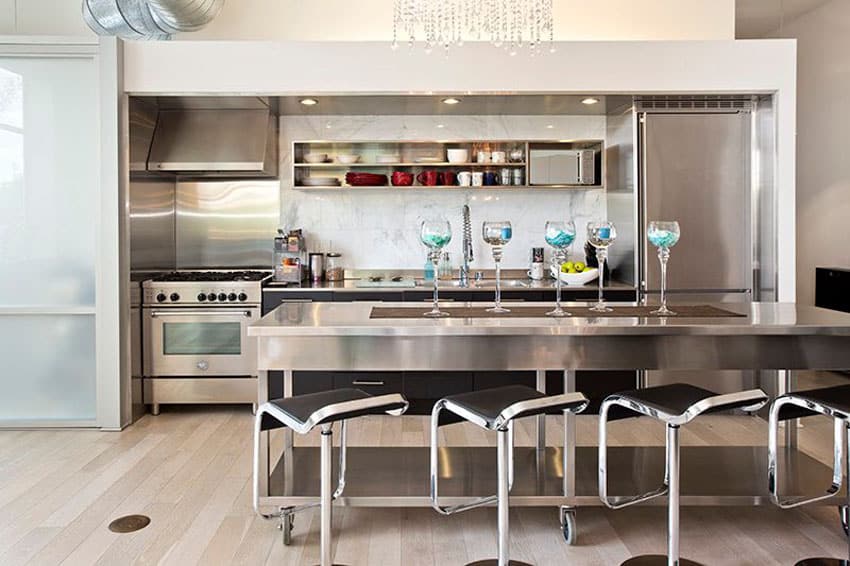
(497, 257)
(663, 256)
(601, 254)
(435, 259)
(559, 259)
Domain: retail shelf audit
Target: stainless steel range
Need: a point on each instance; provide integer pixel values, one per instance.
(196, 348)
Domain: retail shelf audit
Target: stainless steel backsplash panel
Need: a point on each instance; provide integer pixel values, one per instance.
(226, 224)
(152, 218)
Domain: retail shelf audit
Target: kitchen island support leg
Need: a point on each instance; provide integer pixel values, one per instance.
(569, 463)
(541, 419)
(263, 444)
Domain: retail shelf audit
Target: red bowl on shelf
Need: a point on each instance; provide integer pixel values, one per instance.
(402, 178)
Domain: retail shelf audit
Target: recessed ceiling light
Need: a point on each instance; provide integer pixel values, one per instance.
(309, 101)
(440, 126)
(549, 126)
(451, 101)
(589, 100)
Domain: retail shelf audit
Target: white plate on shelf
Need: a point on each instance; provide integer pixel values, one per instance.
(577, 279)
(388, 158)
(429, 160)
(347, 159)
(320, 182)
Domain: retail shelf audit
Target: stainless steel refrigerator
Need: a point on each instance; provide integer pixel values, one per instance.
(695, 168)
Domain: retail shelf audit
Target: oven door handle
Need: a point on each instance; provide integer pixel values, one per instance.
(222, 312)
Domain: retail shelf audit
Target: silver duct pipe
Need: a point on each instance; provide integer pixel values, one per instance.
(148, 19)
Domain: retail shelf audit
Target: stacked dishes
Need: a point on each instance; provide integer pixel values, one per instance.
(363, 179)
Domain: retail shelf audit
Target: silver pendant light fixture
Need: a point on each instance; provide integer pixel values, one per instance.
(511, 24)
(148, 19)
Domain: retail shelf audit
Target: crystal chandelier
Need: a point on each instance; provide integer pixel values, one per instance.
(511, 24)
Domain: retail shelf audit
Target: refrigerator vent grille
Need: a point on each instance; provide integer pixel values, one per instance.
(693, 103)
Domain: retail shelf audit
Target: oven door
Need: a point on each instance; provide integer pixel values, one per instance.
(199, 341)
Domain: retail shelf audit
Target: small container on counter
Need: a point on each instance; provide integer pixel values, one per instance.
(317, 267)
(334, 271)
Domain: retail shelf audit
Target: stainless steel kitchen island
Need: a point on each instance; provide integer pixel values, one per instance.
(344, 336)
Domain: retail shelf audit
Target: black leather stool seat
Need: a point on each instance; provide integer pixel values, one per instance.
(304, 412)
(492, 408)
(831, 401)
(679, 403)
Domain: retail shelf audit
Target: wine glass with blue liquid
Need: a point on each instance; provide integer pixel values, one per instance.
(663, 235)
(435, 233)
(601, 235)
(560, 235)
(497, 233)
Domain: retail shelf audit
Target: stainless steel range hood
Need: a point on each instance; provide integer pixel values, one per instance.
(234, 143)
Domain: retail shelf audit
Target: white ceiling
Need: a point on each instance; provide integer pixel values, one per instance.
(758, 18)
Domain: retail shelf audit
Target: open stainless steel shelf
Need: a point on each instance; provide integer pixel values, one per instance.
(398, 476)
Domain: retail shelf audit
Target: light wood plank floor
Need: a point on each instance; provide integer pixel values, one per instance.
(189, 470)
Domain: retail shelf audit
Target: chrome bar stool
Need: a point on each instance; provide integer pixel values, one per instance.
(305, 412)
(496, 409)
(675, 405)
(831, 402)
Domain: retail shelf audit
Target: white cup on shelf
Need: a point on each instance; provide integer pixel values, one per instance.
(464, 178)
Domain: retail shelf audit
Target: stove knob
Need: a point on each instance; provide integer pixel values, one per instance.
(231, 297)
(175, 297)
(160, 298)
(243, 297)
(202, 297)
(222, 297)
(211, 296)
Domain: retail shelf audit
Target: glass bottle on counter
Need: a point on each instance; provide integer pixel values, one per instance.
(334, 271)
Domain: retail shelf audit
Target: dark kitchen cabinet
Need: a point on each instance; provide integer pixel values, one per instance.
(358, 296)
(372, 382)
(273, 299)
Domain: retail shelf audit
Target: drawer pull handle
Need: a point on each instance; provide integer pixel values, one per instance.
(442, 300)
(283, 301)
(366, 382)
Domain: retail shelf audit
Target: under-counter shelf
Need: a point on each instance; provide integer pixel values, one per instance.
(336, 165)
(444, 187)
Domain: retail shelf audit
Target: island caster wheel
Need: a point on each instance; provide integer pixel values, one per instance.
(568, 525)
(287, 523)
(844, 515)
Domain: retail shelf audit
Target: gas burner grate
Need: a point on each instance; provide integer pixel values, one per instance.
(201, 276)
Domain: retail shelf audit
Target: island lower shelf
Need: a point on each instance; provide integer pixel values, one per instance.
(382, 476)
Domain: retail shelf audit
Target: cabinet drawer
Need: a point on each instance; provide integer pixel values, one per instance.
(436, 385)
(372, 382)
(273, 299)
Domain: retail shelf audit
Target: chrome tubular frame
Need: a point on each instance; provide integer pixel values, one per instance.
(435, 464)
(256, 474)
(840, 424)
(326, 514)
(621, 502)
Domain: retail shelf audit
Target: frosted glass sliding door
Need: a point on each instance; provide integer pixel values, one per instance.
(49, 215)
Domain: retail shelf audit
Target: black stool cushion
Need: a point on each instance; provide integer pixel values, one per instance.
(673, 399)
(836, 399)
(489, 403)
(301, 407)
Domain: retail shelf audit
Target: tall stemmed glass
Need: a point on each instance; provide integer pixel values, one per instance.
(663, 235)
(601, 235)
(560, 235)
(435, 233)
(497, 234)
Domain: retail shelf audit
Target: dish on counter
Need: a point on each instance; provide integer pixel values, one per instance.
(347, 158)
(320, 182)
(576, 279)
(315, 157)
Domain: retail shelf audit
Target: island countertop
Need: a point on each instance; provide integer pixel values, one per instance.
(353, 319)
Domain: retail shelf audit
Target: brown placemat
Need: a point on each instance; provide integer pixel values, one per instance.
(682, 311)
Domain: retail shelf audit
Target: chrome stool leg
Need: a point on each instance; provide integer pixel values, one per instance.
(326, 512)
(504, 466)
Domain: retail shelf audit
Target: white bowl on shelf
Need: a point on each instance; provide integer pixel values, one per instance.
(457, 155)
(315, 157)
(320, 182)
(347, 158)
(388, 158)
(576, 279)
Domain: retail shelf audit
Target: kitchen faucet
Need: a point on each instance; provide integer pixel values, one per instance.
(467, 248)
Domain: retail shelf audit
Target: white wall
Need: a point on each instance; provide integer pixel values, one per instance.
(372, 19)
(344, 20)
(42, 17)
(823, 154)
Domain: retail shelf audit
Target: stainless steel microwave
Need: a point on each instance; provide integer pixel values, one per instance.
(551, 166)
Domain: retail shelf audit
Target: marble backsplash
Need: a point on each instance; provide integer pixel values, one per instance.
(376, 229)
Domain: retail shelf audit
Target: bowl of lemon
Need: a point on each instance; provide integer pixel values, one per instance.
(575, 273)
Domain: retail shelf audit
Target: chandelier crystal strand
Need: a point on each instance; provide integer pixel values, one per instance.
(512, 24)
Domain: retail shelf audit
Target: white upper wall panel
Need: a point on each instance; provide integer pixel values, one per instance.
(371, 20)
(42, 17)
